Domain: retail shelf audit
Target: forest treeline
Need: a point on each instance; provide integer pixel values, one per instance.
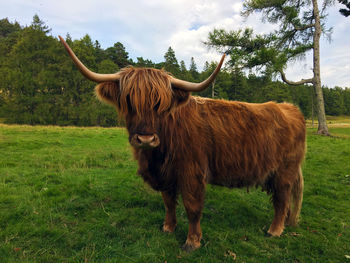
(39, 84)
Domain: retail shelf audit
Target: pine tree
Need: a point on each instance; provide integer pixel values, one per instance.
(39, 25)
(193, 70)
(300, 26)
(183, 67)
(28, 75)
(7, 28)
(170, 64)
(118, 55)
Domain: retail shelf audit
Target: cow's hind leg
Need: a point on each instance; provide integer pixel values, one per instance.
(169, 198)
(281, 195)
(296, 199)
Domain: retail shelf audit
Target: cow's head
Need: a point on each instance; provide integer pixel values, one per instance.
(143, 96)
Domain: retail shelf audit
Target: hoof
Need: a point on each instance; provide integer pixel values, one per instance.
(267, 234)
(273, 233)
(168, 229)
(189, 248)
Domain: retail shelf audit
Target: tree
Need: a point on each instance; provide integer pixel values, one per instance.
(347, 101)
(300, 26)
(170, 63)
(9, 34)
(39, 25)
(40, 84)
(345, 11)
(303, 97)
(183, 68)
(206, 66)
(28, 74)
(193, 70)
(240, 89)
(6, 28)
(220, 88)
(141, 62)
(118, 55)
(99, 52)
(334, 101)
(184, 73)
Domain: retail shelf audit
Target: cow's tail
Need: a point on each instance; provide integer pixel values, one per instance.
(296, 199)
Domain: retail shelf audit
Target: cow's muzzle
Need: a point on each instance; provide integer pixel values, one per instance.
(145, 141)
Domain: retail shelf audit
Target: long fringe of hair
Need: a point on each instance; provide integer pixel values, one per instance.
(144, 89)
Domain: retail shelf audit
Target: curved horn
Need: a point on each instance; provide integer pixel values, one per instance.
(96, 77)
(190, 86)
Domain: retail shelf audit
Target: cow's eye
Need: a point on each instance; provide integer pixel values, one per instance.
(130, 109)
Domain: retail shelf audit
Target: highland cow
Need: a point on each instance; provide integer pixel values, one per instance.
(182, 142)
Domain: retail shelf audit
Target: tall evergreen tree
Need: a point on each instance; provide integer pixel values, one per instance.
(193, 70)
(206, 66)
(183, 68)
(346, 97)
(118, 55)
(220, 88)
(170, 63)
(99, 52)
(39, 25)
(300, 22)
(184, 73)
(240, 88)
(334, 103)
(7, 28)
(27, 72)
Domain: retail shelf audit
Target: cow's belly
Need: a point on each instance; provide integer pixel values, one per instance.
(235, 178)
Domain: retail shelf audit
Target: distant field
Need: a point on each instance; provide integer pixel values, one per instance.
(72, 195)
(332, 121)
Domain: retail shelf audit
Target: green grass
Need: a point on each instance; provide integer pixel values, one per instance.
(72, 195)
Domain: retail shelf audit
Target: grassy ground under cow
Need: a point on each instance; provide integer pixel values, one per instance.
(72, 195)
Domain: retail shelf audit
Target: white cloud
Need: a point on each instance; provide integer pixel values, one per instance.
(148, 27)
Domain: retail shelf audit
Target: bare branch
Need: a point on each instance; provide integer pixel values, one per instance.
(301, 28)
(295, 83)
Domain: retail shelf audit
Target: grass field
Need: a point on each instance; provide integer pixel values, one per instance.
(332, 122)
(72, 195)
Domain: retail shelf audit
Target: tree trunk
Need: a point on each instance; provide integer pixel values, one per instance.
(322, 124)
(312, 107)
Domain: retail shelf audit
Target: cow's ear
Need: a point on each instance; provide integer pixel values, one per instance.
(108, 92)
(180, 97)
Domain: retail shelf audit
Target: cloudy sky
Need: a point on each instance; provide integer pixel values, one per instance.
(148, 27)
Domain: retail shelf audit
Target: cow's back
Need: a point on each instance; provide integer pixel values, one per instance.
(247, 142)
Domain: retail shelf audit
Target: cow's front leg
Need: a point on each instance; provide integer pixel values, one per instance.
(169, 198)
(193, 199)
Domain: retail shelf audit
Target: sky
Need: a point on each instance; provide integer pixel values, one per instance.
(148, 27)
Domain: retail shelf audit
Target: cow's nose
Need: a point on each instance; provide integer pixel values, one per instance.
(145, 141)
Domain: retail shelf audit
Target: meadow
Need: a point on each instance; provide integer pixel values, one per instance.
(72, 195)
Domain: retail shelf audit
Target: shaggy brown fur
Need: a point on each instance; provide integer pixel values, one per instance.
(202, 141)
